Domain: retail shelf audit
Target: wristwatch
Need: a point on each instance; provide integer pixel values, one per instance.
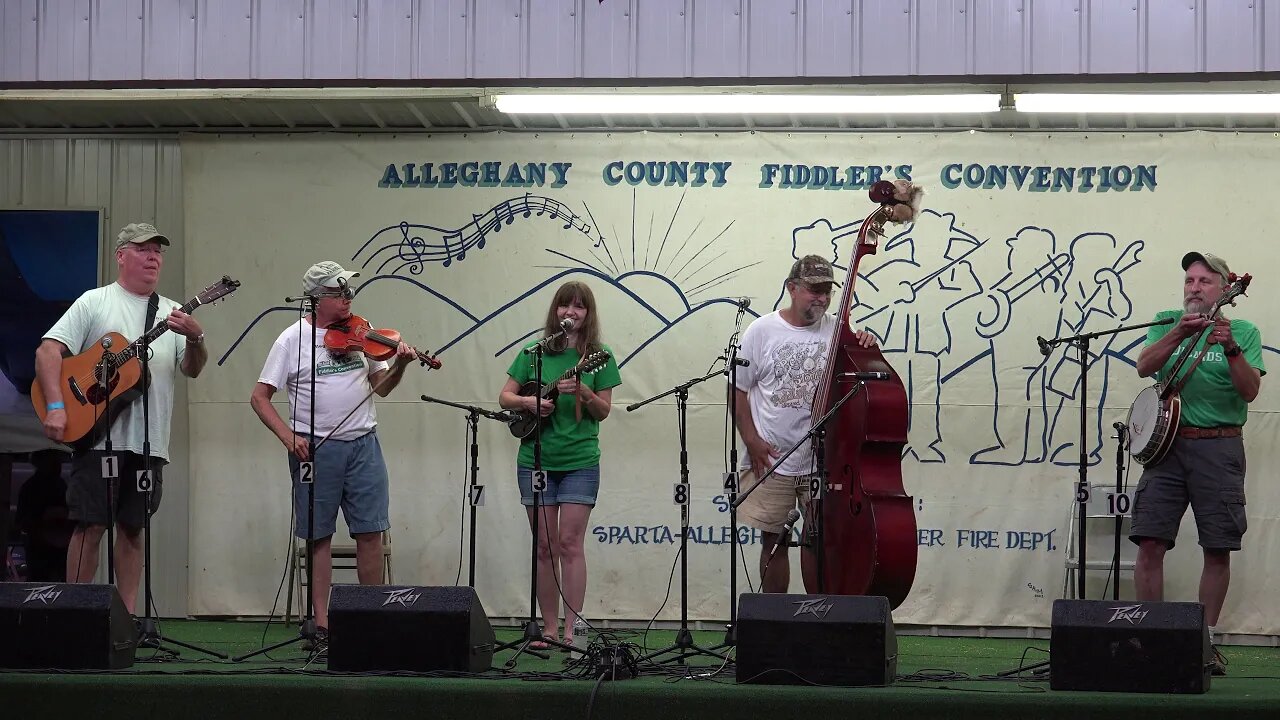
(1233, 351)
(197, 340)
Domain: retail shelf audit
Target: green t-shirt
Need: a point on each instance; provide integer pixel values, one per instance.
(567, 443)
(1209, 399)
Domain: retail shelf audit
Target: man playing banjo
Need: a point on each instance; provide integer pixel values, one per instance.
(1205, 464)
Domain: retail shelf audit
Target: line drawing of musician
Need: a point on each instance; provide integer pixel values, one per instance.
(1036, 270)
(787, 354)
(570, 452)
(350, 471)
(122, 307)
(908, 301)
(1205, 465)
(1095, 300)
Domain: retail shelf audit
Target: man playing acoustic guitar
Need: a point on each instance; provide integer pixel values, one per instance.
(121, 307)
(1205, 465)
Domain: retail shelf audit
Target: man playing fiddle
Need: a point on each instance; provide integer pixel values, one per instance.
(349, 470)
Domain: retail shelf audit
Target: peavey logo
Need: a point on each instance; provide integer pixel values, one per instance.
(817, 608)
(1133, 613)
(404, 597)
(45, 594)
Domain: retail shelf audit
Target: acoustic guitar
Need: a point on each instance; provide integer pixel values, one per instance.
(84, 391)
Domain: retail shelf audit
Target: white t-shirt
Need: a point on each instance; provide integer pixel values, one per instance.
(341, 382)
(114, 309)
(787, 363)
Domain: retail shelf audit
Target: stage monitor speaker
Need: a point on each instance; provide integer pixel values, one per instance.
(64, 626)
(823, 639)
(397, 627)
(1158, 647)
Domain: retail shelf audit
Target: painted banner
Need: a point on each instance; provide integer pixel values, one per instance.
(462, 239)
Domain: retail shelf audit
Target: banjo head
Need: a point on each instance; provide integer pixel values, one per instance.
(1144, 417)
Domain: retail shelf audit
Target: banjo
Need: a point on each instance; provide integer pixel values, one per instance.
(1156, 412)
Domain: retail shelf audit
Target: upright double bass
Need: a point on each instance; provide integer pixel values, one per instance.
(868, 520)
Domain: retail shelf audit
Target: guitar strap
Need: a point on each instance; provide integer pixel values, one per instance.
(153, 306)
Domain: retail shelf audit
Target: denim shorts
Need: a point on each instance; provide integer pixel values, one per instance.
(563, 486)
(350, 474)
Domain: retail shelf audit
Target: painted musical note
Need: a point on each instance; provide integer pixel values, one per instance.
(416, 245)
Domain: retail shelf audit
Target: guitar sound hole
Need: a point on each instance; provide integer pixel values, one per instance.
(94, 393)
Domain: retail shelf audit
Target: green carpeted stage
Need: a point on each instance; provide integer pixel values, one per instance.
(938, 677)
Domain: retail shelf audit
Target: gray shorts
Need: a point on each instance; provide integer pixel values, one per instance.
(1206, 473)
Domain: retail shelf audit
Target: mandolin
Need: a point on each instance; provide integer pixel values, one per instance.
(526, 422)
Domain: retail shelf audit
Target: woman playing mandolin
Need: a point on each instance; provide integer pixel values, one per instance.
(570, 447)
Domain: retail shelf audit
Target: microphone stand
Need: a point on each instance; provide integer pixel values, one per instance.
(105, 371)
(731, 481)
(149, 634)
(816, 435)
(1122, 442)
(538, 481)
(476, 491)
(684, 645)
(307, 631)
(1081, 343)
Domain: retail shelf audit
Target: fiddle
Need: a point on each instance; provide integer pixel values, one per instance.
(355, 334)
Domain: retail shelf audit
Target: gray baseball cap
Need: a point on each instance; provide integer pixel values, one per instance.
(138, 233)
(325, 274)
(1213, 262)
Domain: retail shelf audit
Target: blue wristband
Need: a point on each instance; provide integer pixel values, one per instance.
(54, 406)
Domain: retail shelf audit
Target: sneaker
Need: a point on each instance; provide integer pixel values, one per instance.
(1218, 665)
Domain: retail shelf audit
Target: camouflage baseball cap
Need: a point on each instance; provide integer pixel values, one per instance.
(1213, 262)
(812, 270)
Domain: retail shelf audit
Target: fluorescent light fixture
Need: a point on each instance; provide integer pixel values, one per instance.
(1149, 103)
(742, 104)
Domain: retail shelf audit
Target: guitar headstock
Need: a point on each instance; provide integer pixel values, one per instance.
(218, 290)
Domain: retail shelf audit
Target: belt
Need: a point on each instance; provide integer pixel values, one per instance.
(1196, 433)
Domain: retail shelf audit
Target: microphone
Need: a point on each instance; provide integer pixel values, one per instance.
(344, 288)
(785, 538)
(1044, 346)
(566, 324)
(793, 517)
(743, 303)
(106, 342)
(862, 376)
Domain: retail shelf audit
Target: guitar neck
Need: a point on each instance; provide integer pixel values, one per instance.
(150, 336)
